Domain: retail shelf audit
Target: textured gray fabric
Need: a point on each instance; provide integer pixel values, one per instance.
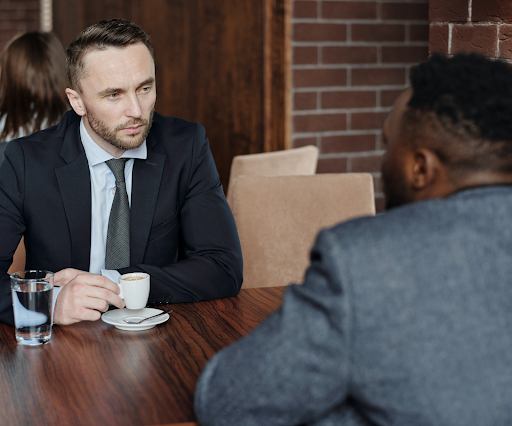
(403, 319)
(117, 253)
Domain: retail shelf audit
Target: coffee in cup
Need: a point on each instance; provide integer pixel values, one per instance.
(134, 289)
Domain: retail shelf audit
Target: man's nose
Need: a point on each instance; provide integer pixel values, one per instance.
(133, 108)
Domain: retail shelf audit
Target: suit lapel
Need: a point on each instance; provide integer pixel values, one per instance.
(147, 175)
(75, 189)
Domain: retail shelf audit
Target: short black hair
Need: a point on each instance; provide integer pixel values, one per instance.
(467, 100)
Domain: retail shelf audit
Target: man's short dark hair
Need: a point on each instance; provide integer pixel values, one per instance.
(116, 33)
(465, 103)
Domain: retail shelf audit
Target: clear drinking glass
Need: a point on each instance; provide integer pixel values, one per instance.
(32, 293)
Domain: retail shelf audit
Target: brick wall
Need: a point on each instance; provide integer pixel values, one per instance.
(481, 26)
(350, 60)
(17, 16)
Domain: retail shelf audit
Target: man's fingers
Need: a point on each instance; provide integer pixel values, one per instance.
(85, 297)
(98, 281)
(64, 276)
(100, 297)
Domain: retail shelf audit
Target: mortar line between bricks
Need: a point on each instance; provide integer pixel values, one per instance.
(359, 43)
(393, 65)
(498, 40)
(364, 154)
(373, 132)
(312, 112)
(358, 21)
(349, 88)
(450, 28)
(470, 10)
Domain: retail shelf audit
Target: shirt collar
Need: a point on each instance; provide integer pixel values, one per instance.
(96, 154)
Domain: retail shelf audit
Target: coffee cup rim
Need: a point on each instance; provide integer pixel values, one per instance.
(131, 274)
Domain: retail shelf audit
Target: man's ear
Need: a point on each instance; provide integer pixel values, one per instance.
(76, 101)
(429, 174)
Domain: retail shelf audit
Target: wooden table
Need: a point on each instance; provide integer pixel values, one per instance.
(94, 374)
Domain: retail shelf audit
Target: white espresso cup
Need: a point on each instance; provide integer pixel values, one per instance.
(134, 289)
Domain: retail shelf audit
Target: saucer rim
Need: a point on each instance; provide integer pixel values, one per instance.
(107, 318)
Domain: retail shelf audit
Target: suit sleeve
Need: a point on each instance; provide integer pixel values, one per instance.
(292, 369)
(210, 266)
(12, 225)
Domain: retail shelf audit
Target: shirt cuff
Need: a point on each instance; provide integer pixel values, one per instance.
(111, 274)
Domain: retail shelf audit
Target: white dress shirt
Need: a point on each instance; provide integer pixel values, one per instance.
(103, 189)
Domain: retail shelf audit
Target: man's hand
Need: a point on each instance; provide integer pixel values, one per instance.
(84, 296)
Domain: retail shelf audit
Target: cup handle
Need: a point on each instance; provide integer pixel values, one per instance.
(120, 288)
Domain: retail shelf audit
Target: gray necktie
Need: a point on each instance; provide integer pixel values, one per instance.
(117, 254)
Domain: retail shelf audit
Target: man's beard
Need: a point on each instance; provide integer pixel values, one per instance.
(110, 135)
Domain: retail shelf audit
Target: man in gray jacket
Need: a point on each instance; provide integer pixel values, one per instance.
(404, 318)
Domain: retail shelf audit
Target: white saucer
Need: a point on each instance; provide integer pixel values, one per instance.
(116, 316)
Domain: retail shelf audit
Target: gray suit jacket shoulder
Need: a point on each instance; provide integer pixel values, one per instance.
(403, 319)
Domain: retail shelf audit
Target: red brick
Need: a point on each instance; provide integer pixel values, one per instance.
(349, 55)
(438, 38)
(404, 54)
(305, 55)
(378, 32)
(304, 100)
(347, 143)
(408, 11)
(305, 9)
(319, 32)
(388, 97)
(349, 99)
(474, 38)
(418, 32)
(506, 41)
(319, 77)
(319, 122)
(491, 10)
(367, 164)
(349, 10)
(298, 142)
(377, 76)
(331, 165)
(448, 10)
(368, 120)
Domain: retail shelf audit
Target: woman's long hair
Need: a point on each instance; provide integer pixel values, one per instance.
(32, 83)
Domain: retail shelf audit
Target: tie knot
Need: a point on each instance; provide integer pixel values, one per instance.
(117, 167)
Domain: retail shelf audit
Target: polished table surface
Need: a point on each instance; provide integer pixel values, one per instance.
(92, 373)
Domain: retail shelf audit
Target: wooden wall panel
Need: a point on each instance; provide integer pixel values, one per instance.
(223, 63)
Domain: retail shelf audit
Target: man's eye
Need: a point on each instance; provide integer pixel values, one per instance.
(113, 95)
(146, 89)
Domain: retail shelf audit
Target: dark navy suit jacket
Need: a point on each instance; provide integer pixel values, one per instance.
(182, 231)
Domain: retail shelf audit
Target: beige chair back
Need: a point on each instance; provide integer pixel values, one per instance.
(278, 218)
(298, 161)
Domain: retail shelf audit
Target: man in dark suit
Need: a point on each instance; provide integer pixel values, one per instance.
(57, 189)
(404, 318)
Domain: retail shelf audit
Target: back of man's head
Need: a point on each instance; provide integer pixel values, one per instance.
(112, 33)
(463, 107)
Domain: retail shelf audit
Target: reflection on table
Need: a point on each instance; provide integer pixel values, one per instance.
(93, 373)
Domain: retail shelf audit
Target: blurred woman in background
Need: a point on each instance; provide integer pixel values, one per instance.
(32, 94)
(32, 84)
